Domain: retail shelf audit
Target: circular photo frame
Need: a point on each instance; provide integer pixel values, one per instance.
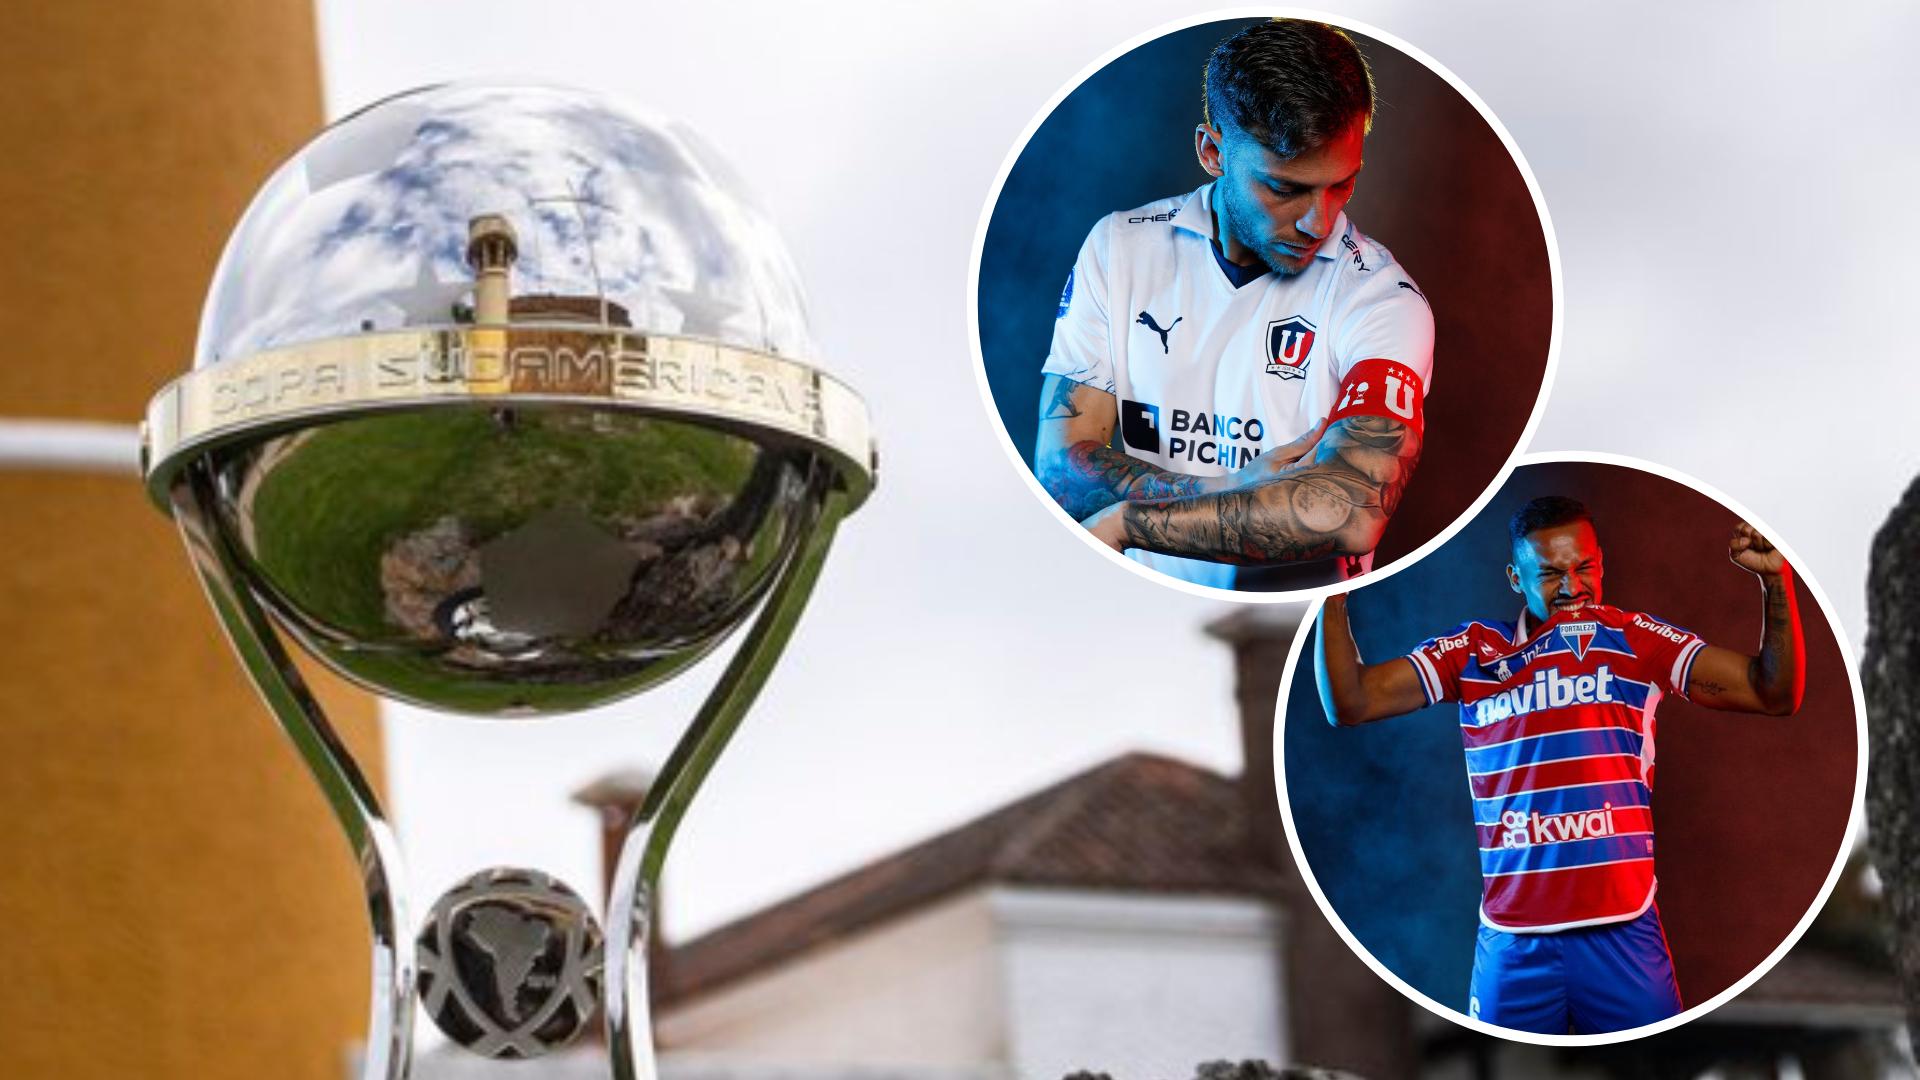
(1757, 814)
(1177, 358)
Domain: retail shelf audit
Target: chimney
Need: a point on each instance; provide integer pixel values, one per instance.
(1339, 1014)
(1260, 636)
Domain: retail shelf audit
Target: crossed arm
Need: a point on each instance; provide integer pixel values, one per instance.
(1329, 492)
(1077, 466)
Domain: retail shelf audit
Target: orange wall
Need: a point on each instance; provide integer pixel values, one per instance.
(174, 899)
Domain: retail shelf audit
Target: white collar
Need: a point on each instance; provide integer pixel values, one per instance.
(1196, 216)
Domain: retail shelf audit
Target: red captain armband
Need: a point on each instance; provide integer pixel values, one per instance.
(1382, 388)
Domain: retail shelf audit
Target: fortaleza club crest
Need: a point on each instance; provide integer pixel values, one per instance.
(1289, 347)
(1578, 635)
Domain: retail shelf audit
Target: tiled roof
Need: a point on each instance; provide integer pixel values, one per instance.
(1139, 823)
(1811, 977)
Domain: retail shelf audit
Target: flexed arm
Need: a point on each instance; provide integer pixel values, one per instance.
(1334, 501)
(1774, 680)
(1352, 691)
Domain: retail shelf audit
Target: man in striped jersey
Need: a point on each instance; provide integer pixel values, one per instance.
(1557, 713)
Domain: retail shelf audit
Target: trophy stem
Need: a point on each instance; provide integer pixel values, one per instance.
(630, 912)
(389, 1045)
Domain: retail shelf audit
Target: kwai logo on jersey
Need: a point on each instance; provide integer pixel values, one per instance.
(1578, 635)
(1525, 830)
(1066, 297)
(1289, 347)
(1548, 690)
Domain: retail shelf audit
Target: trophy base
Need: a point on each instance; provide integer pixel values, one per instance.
(511, 963)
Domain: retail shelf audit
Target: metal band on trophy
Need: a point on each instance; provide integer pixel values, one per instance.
(497, 409)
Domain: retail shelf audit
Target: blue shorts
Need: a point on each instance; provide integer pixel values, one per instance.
(1586, 981)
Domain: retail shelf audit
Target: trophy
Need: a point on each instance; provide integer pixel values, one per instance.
(501, 405)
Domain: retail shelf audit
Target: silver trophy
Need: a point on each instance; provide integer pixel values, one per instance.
(502, 405)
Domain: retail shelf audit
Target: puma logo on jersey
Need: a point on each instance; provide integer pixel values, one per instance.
(1146, 320)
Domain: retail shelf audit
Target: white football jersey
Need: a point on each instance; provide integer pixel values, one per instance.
(1214, 364)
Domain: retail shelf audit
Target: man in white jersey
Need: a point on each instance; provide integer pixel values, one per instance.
(1264, 363)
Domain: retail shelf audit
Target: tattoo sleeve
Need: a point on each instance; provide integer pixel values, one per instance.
(1778, 673)
(1089, 477)
(1336, 504)
(1086, 476)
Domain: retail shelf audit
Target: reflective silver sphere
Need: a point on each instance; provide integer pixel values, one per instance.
(506, 400)
(515, 560)
(614, 217)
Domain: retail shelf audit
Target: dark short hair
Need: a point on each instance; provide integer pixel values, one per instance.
(1288, 83)
(1544, 513)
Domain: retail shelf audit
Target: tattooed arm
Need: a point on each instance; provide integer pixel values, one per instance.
(1774, 681)
(1334, 501)
(1074, 461)
(1085, 474)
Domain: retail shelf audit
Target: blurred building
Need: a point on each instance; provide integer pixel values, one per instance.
(1143, 917)
(1114, 920)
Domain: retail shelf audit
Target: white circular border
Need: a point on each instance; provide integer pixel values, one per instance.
(1311, 619)
(979, 356)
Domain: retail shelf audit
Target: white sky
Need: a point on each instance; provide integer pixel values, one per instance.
(1729, 184)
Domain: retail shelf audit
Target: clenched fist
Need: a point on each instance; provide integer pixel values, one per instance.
(1755, 553)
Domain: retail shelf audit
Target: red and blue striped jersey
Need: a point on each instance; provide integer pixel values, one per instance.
(1558, 725)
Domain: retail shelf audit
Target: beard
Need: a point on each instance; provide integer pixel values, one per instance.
(1237, 220)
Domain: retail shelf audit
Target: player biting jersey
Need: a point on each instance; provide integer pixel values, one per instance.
(1556, 712)
(1264, 363)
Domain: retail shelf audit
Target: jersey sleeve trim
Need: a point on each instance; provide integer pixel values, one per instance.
(1084, 378)
(1683, 665)
(1429, 678)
